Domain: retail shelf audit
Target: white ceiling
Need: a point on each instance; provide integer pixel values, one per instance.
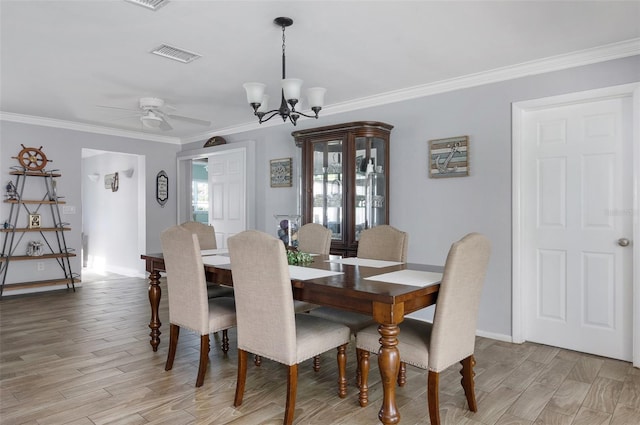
(61, 59)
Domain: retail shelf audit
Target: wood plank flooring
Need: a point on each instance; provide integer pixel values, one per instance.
(84, 358)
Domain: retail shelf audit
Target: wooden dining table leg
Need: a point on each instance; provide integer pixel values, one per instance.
(389, 365)
(154, 300)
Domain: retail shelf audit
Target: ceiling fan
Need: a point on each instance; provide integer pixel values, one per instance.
(153, 113)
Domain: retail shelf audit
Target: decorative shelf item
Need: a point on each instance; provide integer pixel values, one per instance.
(287, 230)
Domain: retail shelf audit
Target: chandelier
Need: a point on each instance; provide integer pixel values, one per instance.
(290, 92)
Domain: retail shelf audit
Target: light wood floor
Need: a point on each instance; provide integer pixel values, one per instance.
(84, 358)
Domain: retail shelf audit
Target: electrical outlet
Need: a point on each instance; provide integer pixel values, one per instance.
(40, 266)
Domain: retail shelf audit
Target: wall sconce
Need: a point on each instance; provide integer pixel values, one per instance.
(128, 173)
(94, 177)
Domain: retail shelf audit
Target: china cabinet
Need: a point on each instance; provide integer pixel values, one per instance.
(345, 179)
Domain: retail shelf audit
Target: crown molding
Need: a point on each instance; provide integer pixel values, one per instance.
(554, 63)
(603, 53)
(88, 128)
(598, 54)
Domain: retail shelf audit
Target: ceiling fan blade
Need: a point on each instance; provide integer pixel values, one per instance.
(165, 126)
(125, 117)
(190, 120)
(121, 109)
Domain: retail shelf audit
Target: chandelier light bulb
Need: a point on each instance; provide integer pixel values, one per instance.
(291, 89)
(264, 105)
(255, 92)
(315, 95)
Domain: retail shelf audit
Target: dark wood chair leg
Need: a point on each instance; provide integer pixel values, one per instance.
(257, 360)
(174, 333)
(342, 371)
(433, 397)
(402, 374)
(204, 359)
(316, 364)
(358, 373)
(242, 377)
(225, 341)
(468, 382)
(363, 361)
(292, 389)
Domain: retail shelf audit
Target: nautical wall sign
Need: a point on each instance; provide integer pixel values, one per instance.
(449, 157)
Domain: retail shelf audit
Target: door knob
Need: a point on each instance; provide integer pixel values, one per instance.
(623, 242)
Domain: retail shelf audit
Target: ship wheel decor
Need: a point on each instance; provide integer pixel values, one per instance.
(32, 159)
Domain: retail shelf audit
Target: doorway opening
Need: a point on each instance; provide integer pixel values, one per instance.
(113, 214)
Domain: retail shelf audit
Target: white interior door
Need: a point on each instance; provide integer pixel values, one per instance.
(576, 206)
(227, 194)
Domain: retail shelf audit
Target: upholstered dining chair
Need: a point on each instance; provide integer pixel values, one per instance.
(207, 238)
(267, 323)
(206, 234)
(314, 238)
(189, 305)
(451, 337)
(383, 242)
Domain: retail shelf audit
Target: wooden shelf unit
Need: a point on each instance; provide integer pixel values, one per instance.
(54, 246)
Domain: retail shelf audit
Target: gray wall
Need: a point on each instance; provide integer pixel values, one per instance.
(437, 212)
(64, 148)
(434, 212)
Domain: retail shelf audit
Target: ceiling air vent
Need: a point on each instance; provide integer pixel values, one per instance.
(149, 4)
(174, 53)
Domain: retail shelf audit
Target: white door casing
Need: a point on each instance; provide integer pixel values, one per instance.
(184, 192)
(573, 198)
(227, 195)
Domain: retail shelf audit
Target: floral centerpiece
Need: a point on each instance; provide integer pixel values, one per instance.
(298, 258)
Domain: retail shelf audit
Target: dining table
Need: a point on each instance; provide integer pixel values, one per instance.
(386, 291)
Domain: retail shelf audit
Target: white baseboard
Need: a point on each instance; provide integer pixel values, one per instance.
(496, 336)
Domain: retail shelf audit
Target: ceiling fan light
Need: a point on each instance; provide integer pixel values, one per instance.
(291, 88)
(255, 92)
(315, 95)
(151, 121)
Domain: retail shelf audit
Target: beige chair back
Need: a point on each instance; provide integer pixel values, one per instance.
(206, 234)
(186, 284)
(383, 243)
(263, 294)
(314, 238)
(454, 323)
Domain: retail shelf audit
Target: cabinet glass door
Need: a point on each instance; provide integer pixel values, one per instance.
(370, 186)
(328, 199)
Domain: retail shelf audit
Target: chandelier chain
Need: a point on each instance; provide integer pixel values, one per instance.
(283, 27)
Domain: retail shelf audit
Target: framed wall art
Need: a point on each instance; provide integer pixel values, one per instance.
(449, 157)
(34, 221)
(281, 172)
(162, 188)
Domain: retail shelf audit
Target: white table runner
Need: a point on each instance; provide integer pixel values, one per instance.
(306, 273)
(364, 262)
(215, 260)
(409, 277)
(214, 251)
